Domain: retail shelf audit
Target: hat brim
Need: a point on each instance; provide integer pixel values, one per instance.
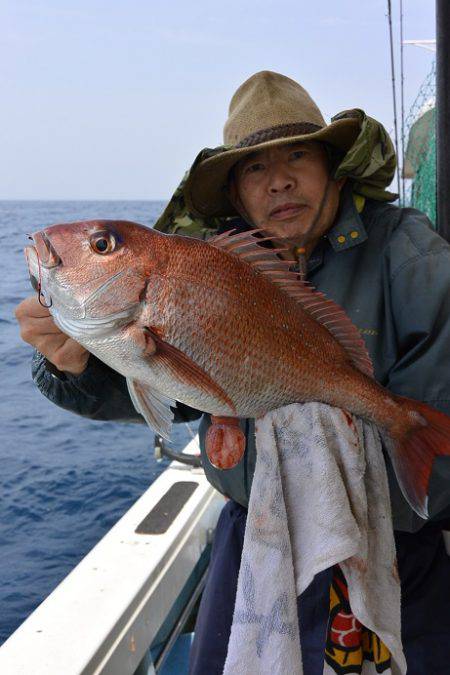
(206, 187)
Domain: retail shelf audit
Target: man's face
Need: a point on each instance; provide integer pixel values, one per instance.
(286, 190)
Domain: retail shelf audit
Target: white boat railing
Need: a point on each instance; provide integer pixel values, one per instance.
(105, 614)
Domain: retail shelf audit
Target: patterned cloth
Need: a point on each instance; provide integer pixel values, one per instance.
(350, 644)
(319, 499)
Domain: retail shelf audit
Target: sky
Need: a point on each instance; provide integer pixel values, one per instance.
(107, 99)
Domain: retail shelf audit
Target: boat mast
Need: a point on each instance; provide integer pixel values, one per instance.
(443, 117)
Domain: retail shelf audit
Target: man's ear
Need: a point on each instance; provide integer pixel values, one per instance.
(341, 182)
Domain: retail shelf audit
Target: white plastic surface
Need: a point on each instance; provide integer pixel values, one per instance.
(105, 613)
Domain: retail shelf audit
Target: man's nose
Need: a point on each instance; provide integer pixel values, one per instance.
(280, 180)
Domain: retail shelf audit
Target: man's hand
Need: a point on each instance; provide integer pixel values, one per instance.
(39, 330)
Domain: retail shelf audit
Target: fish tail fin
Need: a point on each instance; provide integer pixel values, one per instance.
(418, 435)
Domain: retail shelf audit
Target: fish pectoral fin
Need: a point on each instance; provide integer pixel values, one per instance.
(183, 368)
(153, 406)
(142, 338)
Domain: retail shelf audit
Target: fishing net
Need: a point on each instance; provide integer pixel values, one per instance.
(419, 170)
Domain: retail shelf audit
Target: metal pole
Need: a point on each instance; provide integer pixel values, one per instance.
(394, 97)
(402, 90)
(443, 116)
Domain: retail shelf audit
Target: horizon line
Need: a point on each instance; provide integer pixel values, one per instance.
(80, 199)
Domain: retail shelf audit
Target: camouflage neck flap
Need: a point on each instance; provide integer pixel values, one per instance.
(370, 164)
(176, 218)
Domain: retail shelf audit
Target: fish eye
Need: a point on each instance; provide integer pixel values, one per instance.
(103, 242)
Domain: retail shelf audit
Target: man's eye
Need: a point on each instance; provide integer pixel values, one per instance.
(297, 154)
(253, 168)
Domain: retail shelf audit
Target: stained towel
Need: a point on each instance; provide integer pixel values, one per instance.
(319, 499)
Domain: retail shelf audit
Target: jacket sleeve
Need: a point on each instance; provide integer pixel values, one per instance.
(420, 306)
(99, 393)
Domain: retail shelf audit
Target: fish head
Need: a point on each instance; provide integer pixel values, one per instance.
(92, 273)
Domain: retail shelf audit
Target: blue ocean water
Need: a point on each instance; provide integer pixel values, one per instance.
(64, 480)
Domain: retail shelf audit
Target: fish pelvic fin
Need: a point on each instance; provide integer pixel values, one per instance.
(247, 247)
(416, 438)
(153, 406)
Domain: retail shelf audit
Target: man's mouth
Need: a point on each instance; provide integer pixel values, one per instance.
(286, 211)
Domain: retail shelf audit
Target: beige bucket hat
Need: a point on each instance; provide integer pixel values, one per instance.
(268, 109)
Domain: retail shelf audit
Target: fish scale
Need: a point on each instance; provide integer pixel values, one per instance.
(249, 313)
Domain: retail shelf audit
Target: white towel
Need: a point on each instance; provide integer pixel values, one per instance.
(319, 497)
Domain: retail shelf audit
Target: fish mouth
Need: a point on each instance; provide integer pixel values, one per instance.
(41, 258)
(31, 255)
(46, 253)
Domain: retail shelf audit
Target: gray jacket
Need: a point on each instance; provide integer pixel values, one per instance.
(391, 273)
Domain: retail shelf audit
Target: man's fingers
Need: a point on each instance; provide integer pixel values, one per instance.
(49, 344)
(35, 322)
(33, 327)
(66, 354)
(39, 330)
(71, 357)
(30, 307)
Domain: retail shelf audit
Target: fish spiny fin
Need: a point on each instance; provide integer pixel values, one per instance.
(153, 406)
(178, 364)
(247, 247)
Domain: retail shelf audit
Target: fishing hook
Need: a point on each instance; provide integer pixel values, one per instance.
(41, 295)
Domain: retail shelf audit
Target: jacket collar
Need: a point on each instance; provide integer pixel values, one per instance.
(348, 230)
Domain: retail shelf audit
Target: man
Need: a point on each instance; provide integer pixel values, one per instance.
(320, 190)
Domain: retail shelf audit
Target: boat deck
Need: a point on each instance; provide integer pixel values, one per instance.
(129, 592)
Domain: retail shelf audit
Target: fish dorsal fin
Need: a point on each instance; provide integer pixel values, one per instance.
(326, 312)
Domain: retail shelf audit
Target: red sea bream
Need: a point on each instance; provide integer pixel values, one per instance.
(224, 327)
